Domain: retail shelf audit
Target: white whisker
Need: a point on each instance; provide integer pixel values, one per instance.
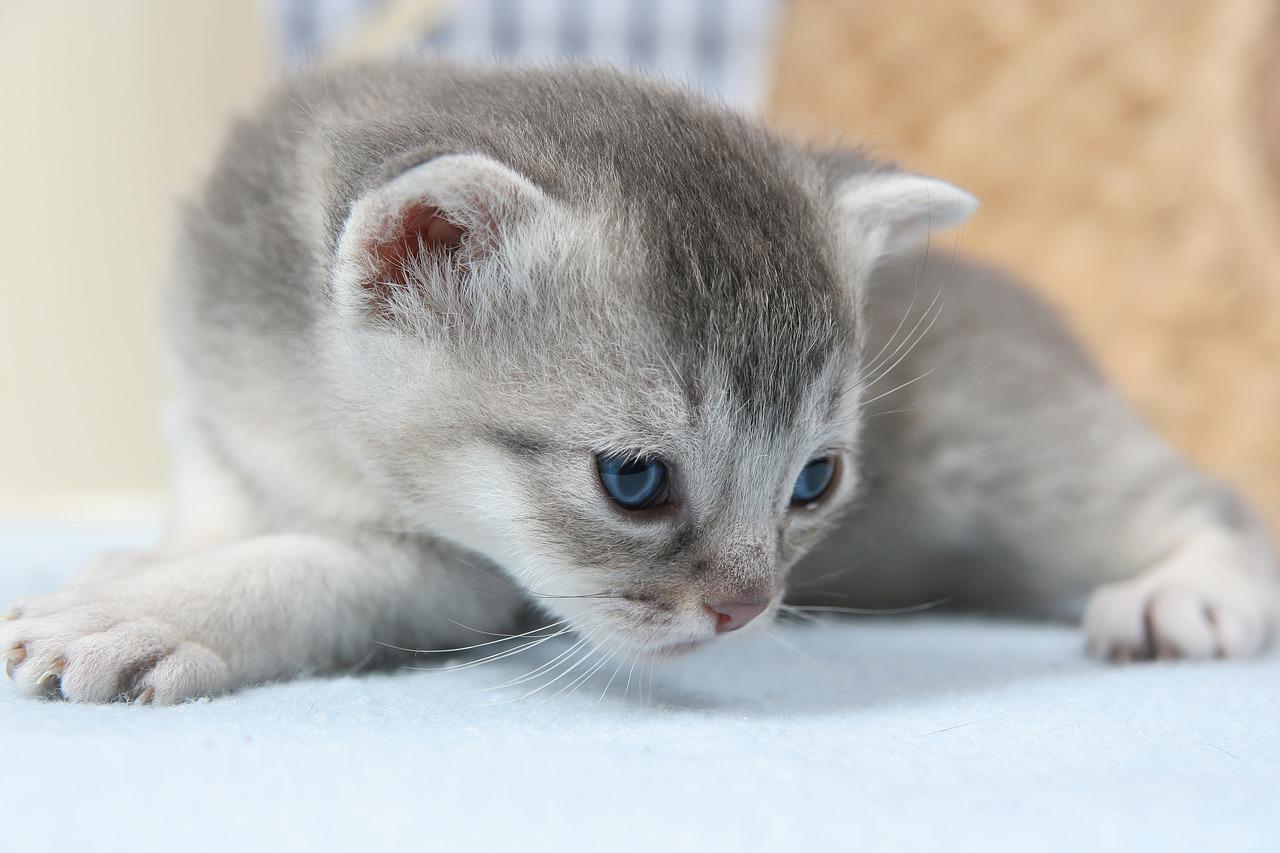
(504, 638)
(881, 373)
(621, 663)
(777, 638)
(572, 686)
(635, 658)
(875, 369)
(924, 375)
(871, 611)
(548, 665)
(587, 655)
(490, 658)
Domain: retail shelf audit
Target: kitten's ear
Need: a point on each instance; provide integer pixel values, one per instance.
(890, 213)
(427, 241)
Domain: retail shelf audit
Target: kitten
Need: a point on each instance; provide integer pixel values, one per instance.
(455, 344)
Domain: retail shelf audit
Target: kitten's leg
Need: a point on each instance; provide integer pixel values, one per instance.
(266, 608)
(1018, 478)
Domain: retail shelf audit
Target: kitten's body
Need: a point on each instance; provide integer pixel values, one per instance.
(384, 434)
(1003, 474)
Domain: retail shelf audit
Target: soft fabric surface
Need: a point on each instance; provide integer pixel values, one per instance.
(922, 733)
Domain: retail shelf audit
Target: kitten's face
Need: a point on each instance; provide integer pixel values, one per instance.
(663, 528)
(650, 481)
(653, 518)
(645, 410)
(649, 517)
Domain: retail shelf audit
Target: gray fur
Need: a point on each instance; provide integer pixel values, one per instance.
(372, 458)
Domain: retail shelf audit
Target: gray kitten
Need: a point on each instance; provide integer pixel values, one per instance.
(453, 345)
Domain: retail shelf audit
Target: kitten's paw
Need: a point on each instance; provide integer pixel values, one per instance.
(1184, 609)
(101, 652)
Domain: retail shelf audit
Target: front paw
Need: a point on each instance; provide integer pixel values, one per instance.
(104, 649)
(1204, 602)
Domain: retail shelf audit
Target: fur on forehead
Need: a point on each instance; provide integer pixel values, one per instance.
(638, 330)
(742, 275)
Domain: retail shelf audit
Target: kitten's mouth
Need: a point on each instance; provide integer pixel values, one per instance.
(644, 626)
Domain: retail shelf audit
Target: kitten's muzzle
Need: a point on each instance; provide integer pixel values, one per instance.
(732, 615)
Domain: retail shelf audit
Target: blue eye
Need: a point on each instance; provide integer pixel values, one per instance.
(814, 481)
(633, 483)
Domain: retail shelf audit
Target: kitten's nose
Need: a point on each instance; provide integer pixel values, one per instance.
(732, 615)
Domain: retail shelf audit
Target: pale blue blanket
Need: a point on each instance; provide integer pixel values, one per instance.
(922, 733)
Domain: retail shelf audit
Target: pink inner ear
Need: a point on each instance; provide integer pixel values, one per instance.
(421, 227)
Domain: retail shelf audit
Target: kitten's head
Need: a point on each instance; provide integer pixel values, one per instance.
(637, 389)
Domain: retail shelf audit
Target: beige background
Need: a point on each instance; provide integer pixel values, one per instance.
(1124, 154)
(110, 111)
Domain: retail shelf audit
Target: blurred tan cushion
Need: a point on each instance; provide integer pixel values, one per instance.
(1121, 152)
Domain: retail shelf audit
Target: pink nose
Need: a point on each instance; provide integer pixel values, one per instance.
(732, 615)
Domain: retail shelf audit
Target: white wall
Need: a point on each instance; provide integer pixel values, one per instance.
(108, 111)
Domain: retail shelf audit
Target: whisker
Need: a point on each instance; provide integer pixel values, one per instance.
(610, 656)
(875, 369)
(915, 295)
(874, 360)
(777, 638)
(503, 638)
(881, 373)
(592, 664)
(572, 686)
(499, 633)
(870, 611)
(635, 659)
(490, 658)
(586, 632)
(549, 664)
(787, 610)
(924, 375)
(587, 629)
(621, 663)
(581, 659)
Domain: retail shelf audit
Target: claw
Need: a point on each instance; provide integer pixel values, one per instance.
(144, 698)
(14, 659)
(54, 671)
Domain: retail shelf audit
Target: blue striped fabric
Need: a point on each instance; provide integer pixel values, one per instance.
(719, 46)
